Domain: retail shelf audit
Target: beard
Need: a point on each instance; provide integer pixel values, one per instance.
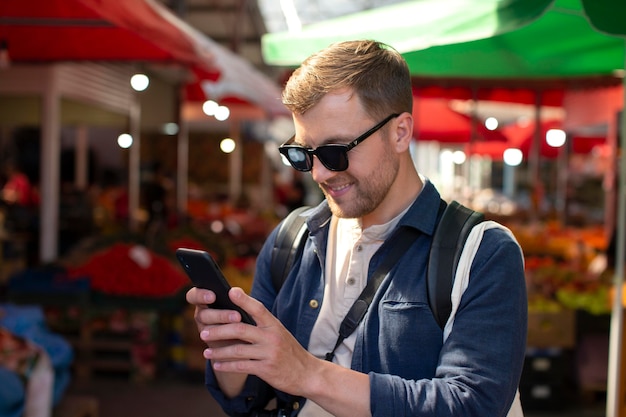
(368, 192)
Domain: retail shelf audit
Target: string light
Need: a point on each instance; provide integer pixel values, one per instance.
(139, 82)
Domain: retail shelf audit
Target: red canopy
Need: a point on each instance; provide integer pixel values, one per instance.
(548, 97)
(61, 30)
(436, 121)
(521, 137)
(41, 31)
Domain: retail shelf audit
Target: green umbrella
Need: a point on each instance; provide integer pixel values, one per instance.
(470, 39)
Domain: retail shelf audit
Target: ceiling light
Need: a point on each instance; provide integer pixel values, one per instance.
(227, 145)
(512, 157)
(125, 140)
(222, 113)
(555, 138)
(458, 157)
(209, 107)
(139, 82)
(491, 123)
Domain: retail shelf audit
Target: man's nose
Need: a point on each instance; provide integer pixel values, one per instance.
(319, 172)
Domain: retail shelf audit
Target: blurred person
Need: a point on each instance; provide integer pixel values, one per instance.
(17, 189)
(396, 362)
(20, 204)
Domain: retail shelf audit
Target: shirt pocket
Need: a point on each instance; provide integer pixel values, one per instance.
(409, 339)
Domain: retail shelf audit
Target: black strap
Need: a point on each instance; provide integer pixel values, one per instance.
(287, 246)
(455, 225)
(400, 242)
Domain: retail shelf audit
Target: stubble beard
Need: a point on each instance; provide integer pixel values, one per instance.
(368, 192)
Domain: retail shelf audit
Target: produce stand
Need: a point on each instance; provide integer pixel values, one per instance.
(109, 333)
(569, 315)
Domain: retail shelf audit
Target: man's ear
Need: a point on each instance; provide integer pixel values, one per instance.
(403, 132)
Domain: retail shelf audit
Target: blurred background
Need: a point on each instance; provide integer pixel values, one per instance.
(129, 129)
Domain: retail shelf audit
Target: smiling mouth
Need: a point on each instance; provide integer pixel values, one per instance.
(338, 188)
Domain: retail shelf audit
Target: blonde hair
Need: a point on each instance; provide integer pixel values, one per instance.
(374, 71)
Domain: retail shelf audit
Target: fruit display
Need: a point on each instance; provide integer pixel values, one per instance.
(557, 265)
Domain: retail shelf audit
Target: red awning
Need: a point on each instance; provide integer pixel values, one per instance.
(43, 31)
(521, 137)
(548, 97)
(436, 121)
(71, 30)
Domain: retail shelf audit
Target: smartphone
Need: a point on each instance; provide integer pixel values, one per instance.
(205, 273)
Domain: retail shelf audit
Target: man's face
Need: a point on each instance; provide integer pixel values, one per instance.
(373, 164)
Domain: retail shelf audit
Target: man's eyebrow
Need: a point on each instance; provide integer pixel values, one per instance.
(333, 140)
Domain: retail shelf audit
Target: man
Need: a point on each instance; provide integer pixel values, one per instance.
(396, 362)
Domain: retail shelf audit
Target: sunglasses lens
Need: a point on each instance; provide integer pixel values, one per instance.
(297, 157)
(334, 157)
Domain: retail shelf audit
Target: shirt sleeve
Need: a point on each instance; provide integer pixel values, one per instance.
(480, 364)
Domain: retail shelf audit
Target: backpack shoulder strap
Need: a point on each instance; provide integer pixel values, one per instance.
(455, 225)
(288, 245)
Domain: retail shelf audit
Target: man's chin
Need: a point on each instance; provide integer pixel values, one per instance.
(344, 212)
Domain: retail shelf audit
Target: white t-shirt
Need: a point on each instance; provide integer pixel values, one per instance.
(348, 254)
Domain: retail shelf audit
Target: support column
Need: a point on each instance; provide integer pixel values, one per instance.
(50, 167)
(182, 168)
(134, 167)
(533, 161)
(616, 387)
(81, 158)
(235, 162)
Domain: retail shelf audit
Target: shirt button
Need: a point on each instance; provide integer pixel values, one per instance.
(351, 281)
(359, 248)
(296, 405)
(314, 304)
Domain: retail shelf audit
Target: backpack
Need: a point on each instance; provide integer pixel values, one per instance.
(450, 235)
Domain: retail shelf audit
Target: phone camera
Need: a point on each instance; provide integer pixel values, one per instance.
(185, 264)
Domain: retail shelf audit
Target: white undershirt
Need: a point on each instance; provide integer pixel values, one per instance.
(348, 254)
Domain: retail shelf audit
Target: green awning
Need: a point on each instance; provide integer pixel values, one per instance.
(476, 39)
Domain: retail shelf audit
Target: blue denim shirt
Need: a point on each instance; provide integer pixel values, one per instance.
(399, 344)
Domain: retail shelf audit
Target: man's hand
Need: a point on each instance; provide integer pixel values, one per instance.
(267, 350)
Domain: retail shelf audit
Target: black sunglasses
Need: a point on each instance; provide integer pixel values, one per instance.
(333, 156)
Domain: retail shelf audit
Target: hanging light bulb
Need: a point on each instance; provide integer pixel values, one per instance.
(491, 123)
(556, 138)
(139, 82)
(513, 157)
(222, 113)
(124, 141)
(209, 107)
(227, 145)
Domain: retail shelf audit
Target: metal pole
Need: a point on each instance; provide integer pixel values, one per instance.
(81, 158)
(236, 162)
(50, 168)
(182, 175)
(614, 400)
(533, 160)
(134, 167)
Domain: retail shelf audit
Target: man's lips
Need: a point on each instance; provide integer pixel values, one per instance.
(337, 190)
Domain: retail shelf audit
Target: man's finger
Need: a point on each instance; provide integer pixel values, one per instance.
(250, 305)
(199, 296)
